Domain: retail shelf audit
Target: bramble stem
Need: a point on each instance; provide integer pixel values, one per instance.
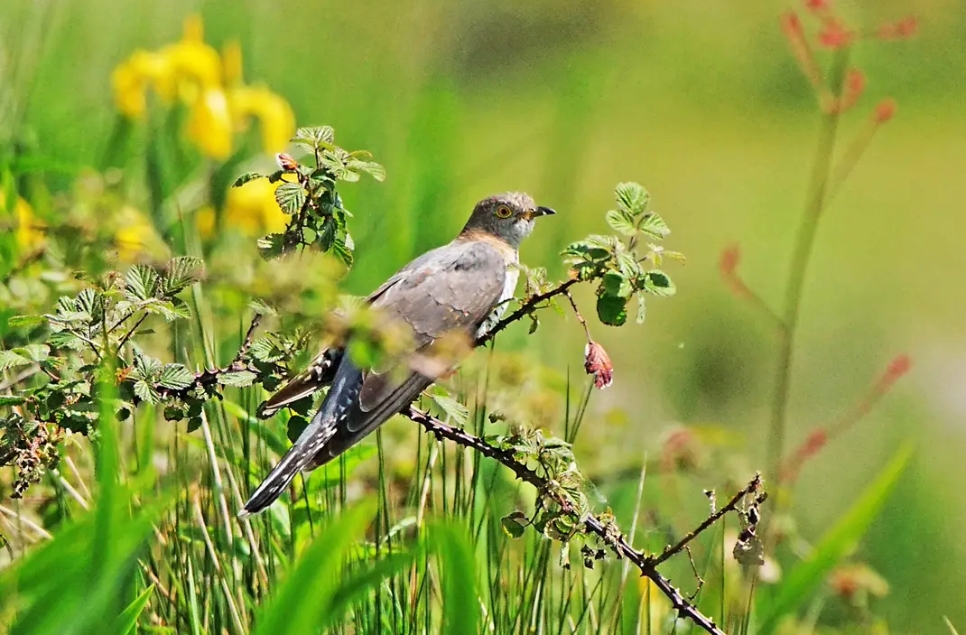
(805, 241)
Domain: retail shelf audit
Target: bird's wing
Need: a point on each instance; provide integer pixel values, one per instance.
(318, 375)
(321, 371)
(449, 289)
(454, 290)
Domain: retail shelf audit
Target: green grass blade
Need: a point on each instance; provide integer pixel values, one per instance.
(461, 602)
(802, 581)
(128, 619)
(304, 600)
(952, 629)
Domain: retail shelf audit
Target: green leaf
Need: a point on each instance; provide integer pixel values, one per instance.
(12, 400)
(612, 310)
(621, 221)
(245, 178)
(146, 391)
(141, 282)
(515, 524)
(128, 619)
(11, 359)
(182, 272)
(631, 198)
(25, 321)
(290, 197)
(239, 378)
(271, 246)
(175, 377)
(457, 412)
(295, 427)
(617, 285)
(261, 307)
(373, 169)
(837, 543)
(654, 226)
(316, 135)
(658, 283)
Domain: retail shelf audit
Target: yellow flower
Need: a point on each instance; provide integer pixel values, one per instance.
(275, 116)
(131, 78)
(250, 209)
(30, 230)
(135, 236)
(210, 124)
(231, 61)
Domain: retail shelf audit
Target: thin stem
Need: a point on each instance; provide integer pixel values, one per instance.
(527, 307)
(804, 244)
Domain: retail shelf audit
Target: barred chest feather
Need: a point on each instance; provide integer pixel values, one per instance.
(509, 288)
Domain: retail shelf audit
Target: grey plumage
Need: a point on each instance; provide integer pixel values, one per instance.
(461, 287)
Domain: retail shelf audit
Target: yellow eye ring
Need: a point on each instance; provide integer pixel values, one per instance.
(503, 212)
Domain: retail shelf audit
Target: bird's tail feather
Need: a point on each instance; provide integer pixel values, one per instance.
(344, 391)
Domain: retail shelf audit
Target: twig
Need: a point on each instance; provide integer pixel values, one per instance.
(526, 308)
(753, 487)
(606, 531)
(580, 318)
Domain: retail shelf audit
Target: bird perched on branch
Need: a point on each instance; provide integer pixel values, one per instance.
(461, 288)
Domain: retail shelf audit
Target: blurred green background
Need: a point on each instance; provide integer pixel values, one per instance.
(699, 101)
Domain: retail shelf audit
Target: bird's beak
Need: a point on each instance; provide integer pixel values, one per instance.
(541, 211)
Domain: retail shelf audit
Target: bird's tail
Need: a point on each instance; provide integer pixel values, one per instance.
(344, 391)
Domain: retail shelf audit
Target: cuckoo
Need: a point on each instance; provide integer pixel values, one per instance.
(461, 288)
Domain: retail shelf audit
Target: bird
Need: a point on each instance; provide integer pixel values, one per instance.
(461, 288)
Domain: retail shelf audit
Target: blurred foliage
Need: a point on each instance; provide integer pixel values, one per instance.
(703, 101)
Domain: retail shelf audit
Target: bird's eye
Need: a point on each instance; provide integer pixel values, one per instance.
(503, 211)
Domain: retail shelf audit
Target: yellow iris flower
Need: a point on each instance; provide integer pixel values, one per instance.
(250, 209)
(219, 104)
(30, 234)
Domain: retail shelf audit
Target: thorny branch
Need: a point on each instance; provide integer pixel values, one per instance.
(529, 306)
(606, 531)
(209, 376)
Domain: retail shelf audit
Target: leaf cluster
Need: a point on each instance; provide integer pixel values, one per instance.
(626, 265)
(308, 194)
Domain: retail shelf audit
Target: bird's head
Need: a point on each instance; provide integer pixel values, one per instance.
(507, 216)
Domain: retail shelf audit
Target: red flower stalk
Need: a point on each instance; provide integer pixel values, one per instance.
(852, 89)
(819, 7)
(834, 34)
(791, 26)
(885, 111)
(901, 30)
(597, 363)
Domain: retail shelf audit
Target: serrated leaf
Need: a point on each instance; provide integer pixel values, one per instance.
(146, 391)
(271, 246)
(25, 321)
(141, 282)
(457, 412)
(245, 178)
(12, 400)
(290, 197)
(612, 310)
(654, 226)
(175, 377)
(11, 359)
(34, 352)
(631, 198)
(373, 169)
(181, 272)
(659, 283)
(621, 221)
(316, 134)
(239, 378)
(261, 307)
